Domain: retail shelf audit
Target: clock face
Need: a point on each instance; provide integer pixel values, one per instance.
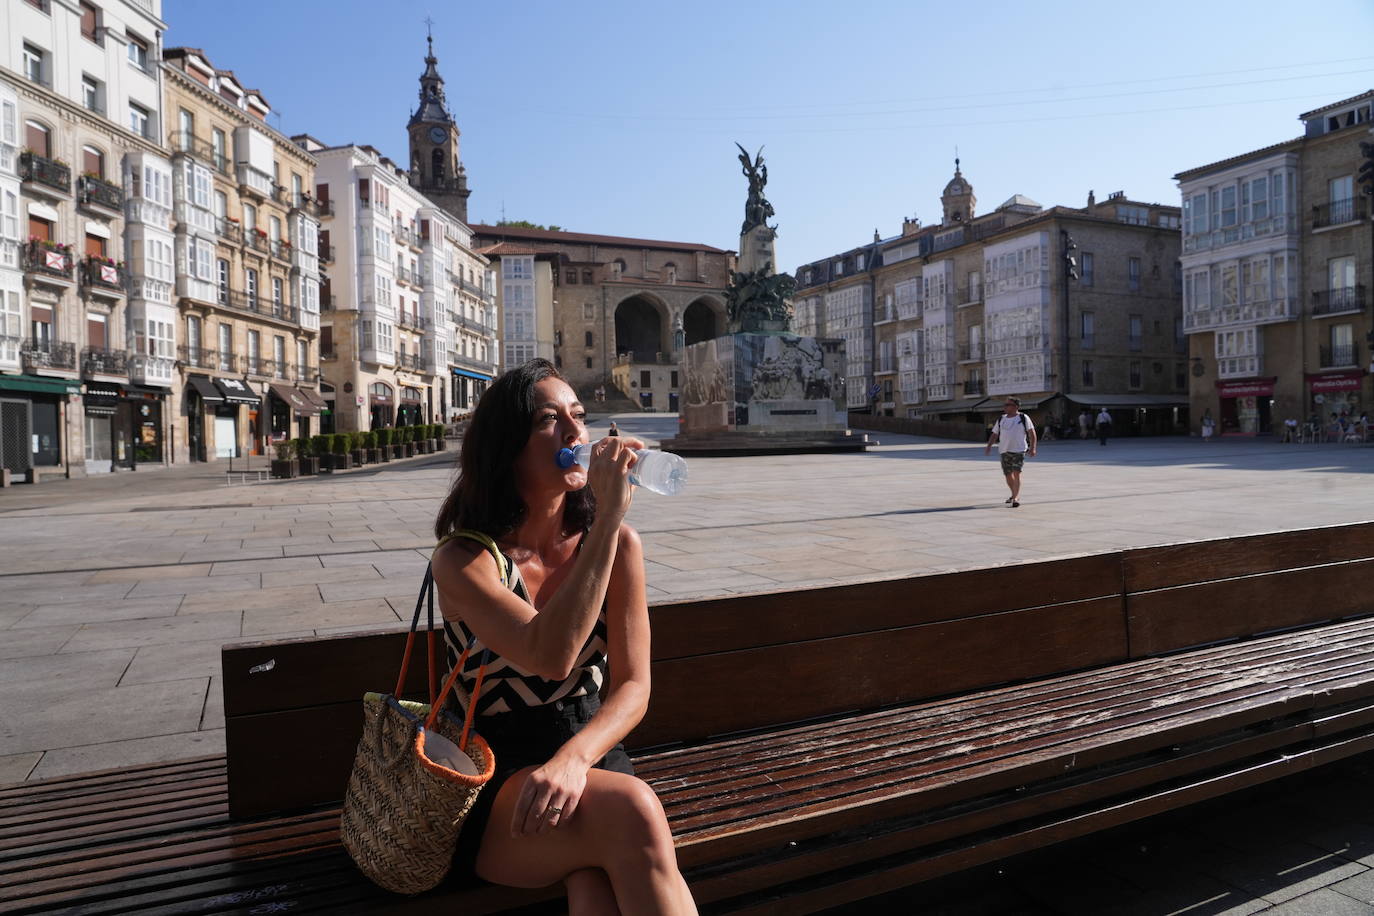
(437, 135)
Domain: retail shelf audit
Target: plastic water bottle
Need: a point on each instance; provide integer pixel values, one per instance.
(660, 472)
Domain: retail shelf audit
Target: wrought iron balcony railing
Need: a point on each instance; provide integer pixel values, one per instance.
(103, 361)
(45, 171)
(969, 352)
(326, 253)
(39, 353)
(201, 358)
(1338, 212)
(1335, 301)
(265, 368)
(258, 305)
(228, 229)
(188, 143)
(1339, 355)
(99, 273)
(41, 258)
(974, 387)
(97, 192)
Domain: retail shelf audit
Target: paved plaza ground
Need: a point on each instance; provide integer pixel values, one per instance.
(116, 593)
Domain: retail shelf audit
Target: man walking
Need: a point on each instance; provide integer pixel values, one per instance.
(1104, 426)
(1014, 434)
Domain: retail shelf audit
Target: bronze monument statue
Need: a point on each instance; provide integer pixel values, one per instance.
(758, 299)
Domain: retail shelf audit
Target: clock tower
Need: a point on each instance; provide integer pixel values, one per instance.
(436, 170)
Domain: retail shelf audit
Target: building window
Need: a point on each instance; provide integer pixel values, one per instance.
(1135, 374)
(250, 286)
(1086, 277)
(92, 162)
(1088, 372)
(673, 379)
(1085, 330)
(34, 64)
(277, 292)
(218, 146)
(572, 277)
(588, 311)
(1133, 274)
(1342, 198)
(587, 276)
(589, 362)
(1180, 376)
(1137, 332)
(644, 381)
(92, 96)
(138, 52)
(589, 339)
(139, 120)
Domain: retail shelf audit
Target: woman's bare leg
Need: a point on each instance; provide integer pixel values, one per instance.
(619, 827)
(590, 893)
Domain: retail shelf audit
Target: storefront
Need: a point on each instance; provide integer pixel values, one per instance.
(32, 420)
(100, 402)
(381, 405)
(1245, 406)
(140, 414)
(467, 389)
(237, 393)
(1335, 393)
(412, 408)
(202, 400)
(291, 407)
(324, 399)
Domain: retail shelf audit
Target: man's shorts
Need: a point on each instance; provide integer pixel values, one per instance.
(1013, 462)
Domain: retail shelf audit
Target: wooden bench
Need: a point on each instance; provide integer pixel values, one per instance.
(811, 748)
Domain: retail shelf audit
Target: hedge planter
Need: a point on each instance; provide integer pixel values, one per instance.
(284, 469)
(359, 457)
(441, 444)
(397, 452)
(326, 463)
(374, 456)
(309, 466)
(383, 452)
(340, 462)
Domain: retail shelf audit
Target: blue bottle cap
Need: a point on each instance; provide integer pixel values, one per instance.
(565, 458)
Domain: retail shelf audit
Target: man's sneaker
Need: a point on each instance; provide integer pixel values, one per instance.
(1009, 501)
(1015, 504)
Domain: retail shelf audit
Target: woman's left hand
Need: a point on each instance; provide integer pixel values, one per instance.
(549, 797)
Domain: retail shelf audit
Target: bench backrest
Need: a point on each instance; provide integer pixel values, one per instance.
(749, 661)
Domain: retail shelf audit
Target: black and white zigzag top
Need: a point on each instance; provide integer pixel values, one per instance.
(507, 686)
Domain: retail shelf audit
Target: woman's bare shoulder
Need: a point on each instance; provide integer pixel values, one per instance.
(459, 556)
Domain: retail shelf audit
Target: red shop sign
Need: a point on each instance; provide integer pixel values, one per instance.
(1247, 388)
(1336, 381)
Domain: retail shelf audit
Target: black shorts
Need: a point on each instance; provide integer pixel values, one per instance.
(526, 737)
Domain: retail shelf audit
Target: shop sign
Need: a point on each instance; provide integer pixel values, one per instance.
(1336, 381)
(1255, 387)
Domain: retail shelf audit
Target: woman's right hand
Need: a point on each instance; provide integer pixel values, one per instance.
(609, 477)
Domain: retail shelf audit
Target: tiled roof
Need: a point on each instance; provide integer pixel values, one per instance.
(550, 235)
(1233, 160)
(1368, 93)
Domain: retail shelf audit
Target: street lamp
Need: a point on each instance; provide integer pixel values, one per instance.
(1070, 273)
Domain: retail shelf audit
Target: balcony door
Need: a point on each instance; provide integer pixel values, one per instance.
(40, 327)
(38, 139)
(1341, 280)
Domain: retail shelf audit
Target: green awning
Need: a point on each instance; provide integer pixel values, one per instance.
(39, 385)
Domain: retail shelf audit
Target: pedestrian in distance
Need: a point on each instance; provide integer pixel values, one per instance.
(1014, 436)
(1085, 424)
(614, 430)
(570, 624)
(1209, 428)
(1104, 426)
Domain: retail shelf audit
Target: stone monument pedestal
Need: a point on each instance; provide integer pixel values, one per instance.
(756, 393)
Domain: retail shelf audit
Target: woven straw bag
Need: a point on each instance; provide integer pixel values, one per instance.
(403, 808)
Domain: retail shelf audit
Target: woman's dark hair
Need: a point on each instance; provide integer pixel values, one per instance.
(485, 497)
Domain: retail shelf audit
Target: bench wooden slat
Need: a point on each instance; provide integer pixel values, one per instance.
(705, 626)
(1174, 618)
(45, 791)
(840, 674)
(1148, 568)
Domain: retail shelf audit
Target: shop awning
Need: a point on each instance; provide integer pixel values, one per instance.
(313, 396)
(962, 406)
(465, 373)
(38, 384)
(1130, 400)
(202, 386)
(296, 398)
(237, 391)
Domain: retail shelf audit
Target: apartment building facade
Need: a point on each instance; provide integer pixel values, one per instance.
(84, 368)
(1276, 265)
(246, 236)
(977, 307)
(408, 324)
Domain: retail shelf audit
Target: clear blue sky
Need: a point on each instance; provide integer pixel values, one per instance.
(620, 117)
